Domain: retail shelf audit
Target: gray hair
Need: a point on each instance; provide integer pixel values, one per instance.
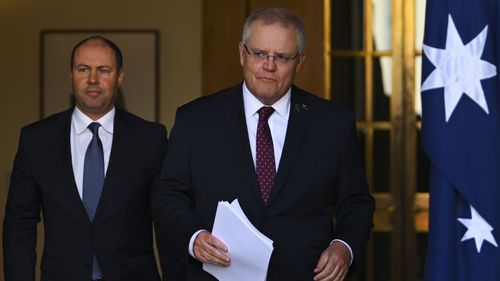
(276, 15)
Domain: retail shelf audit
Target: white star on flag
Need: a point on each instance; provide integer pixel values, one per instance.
(459, 69)
(478, 229)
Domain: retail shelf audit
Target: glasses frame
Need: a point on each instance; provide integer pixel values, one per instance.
(277, 58)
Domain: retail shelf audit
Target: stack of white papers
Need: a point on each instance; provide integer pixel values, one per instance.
(249, 249)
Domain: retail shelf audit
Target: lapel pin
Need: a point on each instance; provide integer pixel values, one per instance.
(298, 107)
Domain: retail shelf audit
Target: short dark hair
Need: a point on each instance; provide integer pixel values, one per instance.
(276, 15)
(116, 50)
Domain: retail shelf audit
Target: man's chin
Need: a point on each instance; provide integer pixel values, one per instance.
(267, 98)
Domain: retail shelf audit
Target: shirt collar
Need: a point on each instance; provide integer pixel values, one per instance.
(81, 121)
(252, 104)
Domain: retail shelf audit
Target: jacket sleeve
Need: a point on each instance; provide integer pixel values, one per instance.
(354, 205)
(22, 214)
(173, 200)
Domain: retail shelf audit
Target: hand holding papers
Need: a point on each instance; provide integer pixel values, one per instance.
(249, 249)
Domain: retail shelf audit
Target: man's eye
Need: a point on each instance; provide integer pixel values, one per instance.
(83, 69)
(104, 70)
(282, 58)
(260, 54)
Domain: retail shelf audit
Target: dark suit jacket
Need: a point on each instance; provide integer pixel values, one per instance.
(42, 180)
(320, 177)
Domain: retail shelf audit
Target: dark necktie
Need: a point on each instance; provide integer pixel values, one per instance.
(93, 180)
(265, 166)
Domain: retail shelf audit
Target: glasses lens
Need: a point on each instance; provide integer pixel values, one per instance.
(262, 56)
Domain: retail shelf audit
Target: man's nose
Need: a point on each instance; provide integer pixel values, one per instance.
(93, 78)
(270, 63)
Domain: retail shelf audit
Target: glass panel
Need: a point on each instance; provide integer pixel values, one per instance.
(382, 24)
(361, 274)
(418, 82)
(381, 161)
(382, 88)
(361, 145)
(423, 166)
(347, 25)
(421, 255)
(348, 84)
(381, 256)
(419, 23)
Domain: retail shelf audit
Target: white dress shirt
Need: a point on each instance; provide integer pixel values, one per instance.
(80, 137)
(278, 122)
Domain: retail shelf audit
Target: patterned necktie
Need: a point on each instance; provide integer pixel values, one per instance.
(265, 166)
(93, 181)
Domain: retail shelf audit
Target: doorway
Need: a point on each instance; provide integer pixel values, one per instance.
(375, 53)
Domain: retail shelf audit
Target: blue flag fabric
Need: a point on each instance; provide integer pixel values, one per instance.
(461, 137)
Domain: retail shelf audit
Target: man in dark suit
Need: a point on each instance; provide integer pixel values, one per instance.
(89, 170)
(289, 157)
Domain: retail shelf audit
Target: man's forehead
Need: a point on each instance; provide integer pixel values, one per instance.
(260, 28)
(274, 33)
(86, 55)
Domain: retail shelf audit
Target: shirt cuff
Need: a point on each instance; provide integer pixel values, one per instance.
(347, 245)
(191, 242)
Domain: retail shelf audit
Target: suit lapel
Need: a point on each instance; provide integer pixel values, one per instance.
(238, 132)
(117, 158)
(61, 149)
(300, 117)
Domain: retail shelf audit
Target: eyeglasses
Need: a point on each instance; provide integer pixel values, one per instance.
(263, 56)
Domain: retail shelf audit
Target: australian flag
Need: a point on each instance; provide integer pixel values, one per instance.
(461, 137)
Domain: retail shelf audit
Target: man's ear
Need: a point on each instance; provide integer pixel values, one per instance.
(301, 59)
(121, 74)
(242, 52)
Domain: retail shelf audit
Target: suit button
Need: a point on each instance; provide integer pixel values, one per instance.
(86, 264)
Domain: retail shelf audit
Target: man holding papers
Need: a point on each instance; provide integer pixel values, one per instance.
(287, 156)
(250, 249)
